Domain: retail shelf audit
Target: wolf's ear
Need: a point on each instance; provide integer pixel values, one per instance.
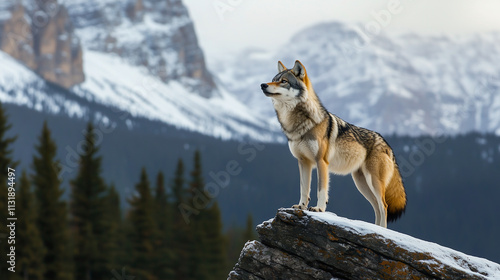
(281, 67)
(299, 70)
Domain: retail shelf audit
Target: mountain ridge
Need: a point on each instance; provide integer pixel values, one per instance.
(122, 47)
(407, 84)
(436, 83)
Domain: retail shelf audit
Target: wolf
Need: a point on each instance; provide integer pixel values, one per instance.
(319, 139)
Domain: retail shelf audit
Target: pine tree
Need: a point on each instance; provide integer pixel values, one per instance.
(162, 211)
(87, 209)
(112, 244)
(182, 237)
(163, 215)
(52, 217)
(249, 233)
(5, 162)
(143, 234)
(215, 251)
(30, 251)
(178, 186)
(236, 237)
(208, 256)
(199, 222)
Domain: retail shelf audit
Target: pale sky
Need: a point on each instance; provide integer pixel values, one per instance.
(225, 27)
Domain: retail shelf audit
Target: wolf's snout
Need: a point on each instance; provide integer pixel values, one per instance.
(263, 86)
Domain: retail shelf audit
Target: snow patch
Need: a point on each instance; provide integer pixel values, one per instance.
(447, 256)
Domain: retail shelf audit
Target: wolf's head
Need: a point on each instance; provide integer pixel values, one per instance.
(288, 84)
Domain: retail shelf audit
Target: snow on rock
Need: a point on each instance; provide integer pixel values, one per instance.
(300, 244)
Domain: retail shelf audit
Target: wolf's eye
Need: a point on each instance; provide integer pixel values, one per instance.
(284, 81)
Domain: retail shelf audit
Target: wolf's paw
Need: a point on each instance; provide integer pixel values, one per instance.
(316, 209)
(299, 206)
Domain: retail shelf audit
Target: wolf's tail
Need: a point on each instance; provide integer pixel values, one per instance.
(395, 196)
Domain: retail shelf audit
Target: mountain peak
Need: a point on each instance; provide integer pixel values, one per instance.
(142, 63)
(300, 244)
(156, 35)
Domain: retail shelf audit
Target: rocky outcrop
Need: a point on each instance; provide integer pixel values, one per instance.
(40, 35)
(156, 34)
(304, 245)
(16, 37)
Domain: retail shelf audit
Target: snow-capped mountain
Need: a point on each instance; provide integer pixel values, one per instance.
(406, 84)
(134, 93)
(157, 34)
(137, 60)
(142, 57)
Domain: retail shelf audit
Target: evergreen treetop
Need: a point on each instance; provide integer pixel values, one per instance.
(144, 232)
(52, 210)
(87, 211)
(31, 253)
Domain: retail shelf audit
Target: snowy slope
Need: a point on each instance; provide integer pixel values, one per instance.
(406, 84)
(20, 86)
(116, 84)
(113, 82)
(141, 61)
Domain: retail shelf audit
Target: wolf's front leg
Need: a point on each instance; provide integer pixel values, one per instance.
(305, 169)
(323, 180)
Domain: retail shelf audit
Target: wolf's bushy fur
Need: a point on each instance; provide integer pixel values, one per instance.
(319, 139)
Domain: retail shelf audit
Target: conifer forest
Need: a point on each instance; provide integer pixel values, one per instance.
(90, 235)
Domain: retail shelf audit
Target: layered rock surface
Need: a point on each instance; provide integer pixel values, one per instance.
(305, 245)
(48, 37)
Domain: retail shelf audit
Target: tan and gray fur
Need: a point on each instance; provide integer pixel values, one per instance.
(321, 140)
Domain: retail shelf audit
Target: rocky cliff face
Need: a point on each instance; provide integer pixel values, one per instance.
(304, 245)
(156, 34)
(40, 35)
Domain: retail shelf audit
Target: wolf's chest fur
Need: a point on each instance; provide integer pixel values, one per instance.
(297, 119)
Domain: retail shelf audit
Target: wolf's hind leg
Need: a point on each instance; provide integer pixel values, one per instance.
(375, 177)
(305, 169)
(364, 189)
(380, 169)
